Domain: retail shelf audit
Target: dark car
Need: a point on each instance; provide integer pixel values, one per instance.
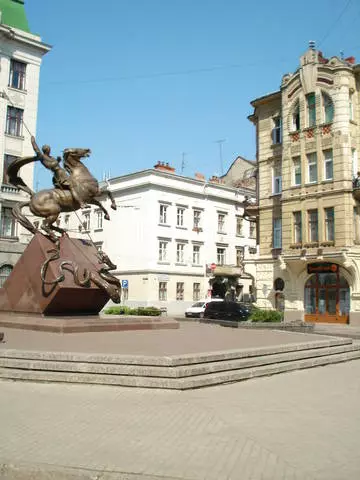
(227, 311)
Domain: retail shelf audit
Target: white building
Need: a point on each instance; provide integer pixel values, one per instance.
(166, 233)
(21, 53)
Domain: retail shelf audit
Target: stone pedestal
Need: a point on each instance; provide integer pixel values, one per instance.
(25, 292)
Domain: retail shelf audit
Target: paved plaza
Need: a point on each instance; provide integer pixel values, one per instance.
(300, 425)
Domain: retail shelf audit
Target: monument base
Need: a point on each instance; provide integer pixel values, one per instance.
(86, 323)
(43, 282)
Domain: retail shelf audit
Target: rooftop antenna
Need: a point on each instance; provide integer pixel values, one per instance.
(183, 155)
(220, 142)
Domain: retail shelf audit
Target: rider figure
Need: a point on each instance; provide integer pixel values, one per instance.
(60, 177)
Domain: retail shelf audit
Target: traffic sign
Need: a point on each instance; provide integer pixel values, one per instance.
(125, 283)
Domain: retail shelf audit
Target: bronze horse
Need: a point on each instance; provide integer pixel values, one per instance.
(49, 203)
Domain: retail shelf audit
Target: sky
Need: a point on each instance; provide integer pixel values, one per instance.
(142, 81)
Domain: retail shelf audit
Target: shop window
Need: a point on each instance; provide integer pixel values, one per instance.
(196, 292)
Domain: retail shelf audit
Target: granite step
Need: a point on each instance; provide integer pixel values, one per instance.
(180, 372)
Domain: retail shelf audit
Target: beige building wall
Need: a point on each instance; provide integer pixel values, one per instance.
(334, 86)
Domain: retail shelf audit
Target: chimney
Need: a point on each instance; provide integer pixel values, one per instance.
(164, 167)
(200, 176)
(214, 179)
(350, 60)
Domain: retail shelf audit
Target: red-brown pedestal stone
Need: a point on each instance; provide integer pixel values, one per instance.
(27, 303)
(25, 292)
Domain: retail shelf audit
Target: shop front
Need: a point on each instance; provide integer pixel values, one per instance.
(327, 294)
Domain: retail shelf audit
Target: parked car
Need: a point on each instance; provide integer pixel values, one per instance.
(227, 311)
(197, 309)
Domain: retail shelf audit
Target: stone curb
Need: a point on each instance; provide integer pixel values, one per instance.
(9, 471)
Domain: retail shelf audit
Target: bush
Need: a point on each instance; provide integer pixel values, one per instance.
(259, 315)
(124, 310)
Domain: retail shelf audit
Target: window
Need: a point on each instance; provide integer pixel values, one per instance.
(197, 218)
(5, 271)
(239, 226)
(252, 229)
(297, 227)
(313, 226)
(179, 290)
(8, 223)
(180, 217)
(276, 133)
(297, 170)
(86, 221)
(163, 251)
(328, 107)
(295, 118)
(312, 167)
(162, 291)
(356, 225)
(180, 252)
(66, 221)
(221, 256)
(99, 220)
(277, 233)
(163, 214)
(311, 109)
(196, 292)
(17, 75)
(14, 121)
(221, 223)
(239, 256)
(277, 179)
(196, 255)
(354, 159)
(328, 164)
(351, 106)
(7, 160)
(329, 224)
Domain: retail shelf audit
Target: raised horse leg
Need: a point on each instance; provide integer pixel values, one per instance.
(93, 201)
(110, 195)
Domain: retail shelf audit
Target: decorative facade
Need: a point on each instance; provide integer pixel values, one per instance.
(21, 53)
(175, 239)
(308, 208)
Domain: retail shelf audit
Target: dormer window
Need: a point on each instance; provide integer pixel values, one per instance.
(328, 108)
(311, 109)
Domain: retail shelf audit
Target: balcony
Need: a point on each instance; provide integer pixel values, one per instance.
(251, 210)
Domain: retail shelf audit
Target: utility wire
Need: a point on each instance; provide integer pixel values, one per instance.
(331, 28)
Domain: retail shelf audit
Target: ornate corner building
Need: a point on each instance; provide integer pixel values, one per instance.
(21, 53)
(308, 208)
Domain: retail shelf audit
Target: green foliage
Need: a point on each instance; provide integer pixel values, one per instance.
(259, 315)
(124, 310)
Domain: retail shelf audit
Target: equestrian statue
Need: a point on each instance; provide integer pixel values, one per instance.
(74, 188)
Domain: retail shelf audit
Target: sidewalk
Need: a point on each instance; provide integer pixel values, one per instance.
(303, 425)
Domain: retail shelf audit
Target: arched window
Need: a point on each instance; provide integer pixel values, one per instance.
(295, 118)
(5, 271)
(328, 108)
